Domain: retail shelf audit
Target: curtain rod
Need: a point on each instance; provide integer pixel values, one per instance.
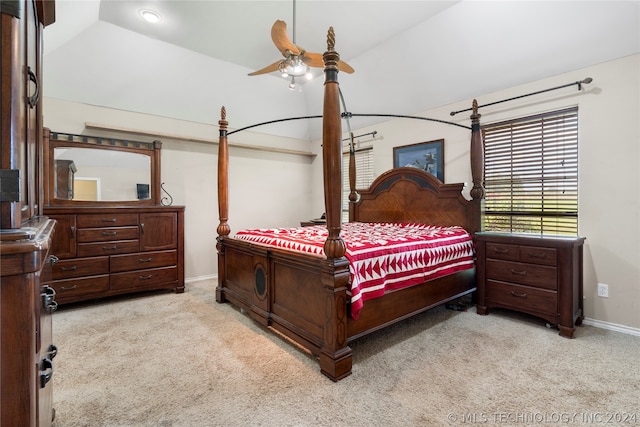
(579, 83)
(374, 133)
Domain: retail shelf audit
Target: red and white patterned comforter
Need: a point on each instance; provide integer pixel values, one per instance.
(382, 256)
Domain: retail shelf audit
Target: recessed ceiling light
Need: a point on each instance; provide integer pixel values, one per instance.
(150, 15)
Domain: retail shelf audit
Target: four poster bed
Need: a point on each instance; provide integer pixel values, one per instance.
(305, 290)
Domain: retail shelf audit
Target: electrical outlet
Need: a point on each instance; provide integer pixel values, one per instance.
(603, 290)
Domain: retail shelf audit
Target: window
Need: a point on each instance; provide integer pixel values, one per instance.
(531, 174)
(364, 175)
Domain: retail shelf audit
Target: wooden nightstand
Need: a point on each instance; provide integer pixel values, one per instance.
(312, 222)
(538, 275)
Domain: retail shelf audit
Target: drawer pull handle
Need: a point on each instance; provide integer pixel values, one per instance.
(145, 260)
(519, 273)
(75, 267)
(109, 233)
(110, 248)
(500, 250)
(52, 351)
(53, 306)
(48, 299)
(515, 294)
(68, 289)
(108, 220)
(53, 260)
(33, 99)
(46, 372)
(146, 277)
(539, 255)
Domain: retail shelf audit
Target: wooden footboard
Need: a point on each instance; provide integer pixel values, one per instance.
(304, 297)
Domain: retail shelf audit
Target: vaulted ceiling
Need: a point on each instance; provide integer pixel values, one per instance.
(409, 56)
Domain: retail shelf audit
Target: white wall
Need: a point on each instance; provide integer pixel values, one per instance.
(267, 189)
(609, 169)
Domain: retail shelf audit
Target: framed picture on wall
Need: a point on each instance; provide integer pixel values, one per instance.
(428, 156)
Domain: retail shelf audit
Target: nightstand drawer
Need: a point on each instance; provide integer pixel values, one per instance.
(536, 255)
(539, 276)
(530, 254)
(505, 252)
(523, 298)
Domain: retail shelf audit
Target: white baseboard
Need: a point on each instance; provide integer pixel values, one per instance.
(612, 326)
(197, 279)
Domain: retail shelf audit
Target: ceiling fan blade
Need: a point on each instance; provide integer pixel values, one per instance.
(268, 69)
(315, 60)
(281, 39)
(345, 68)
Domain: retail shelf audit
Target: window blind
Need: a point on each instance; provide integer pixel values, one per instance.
(364, 175)
(531, 174)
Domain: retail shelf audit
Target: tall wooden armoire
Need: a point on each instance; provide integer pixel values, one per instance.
(26, 347)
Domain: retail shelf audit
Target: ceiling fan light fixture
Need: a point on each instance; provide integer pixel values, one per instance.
(150, 15)
(293, 66)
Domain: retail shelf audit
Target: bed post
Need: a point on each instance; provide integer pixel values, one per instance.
(477, 166)
(223, 200)
(335, 355)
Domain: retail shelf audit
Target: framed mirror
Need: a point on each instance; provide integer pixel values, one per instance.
(90, 170)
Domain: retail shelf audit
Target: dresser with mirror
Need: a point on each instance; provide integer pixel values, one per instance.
(114, 235)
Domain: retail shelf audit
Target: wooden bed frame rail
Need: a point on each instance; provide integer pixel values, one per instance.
(268, 282)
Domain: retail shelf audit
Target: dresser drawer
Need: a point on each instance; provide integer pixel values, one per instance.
(107, 248)
(539, 276)
(106, 220)
(536, 255)
(106, 234)
(144, 278)
(120, 263)
(66, 269)
(74, 287)
(523, 298)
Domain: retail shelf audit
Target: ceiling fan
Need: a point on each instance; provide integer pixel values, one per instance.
(297, 61)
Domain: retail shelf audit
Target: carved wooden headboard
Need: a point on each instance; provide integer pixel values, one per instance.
(412, 195)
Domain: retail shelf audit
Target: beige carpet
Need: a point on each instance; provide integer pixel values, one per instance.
(166, 359)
